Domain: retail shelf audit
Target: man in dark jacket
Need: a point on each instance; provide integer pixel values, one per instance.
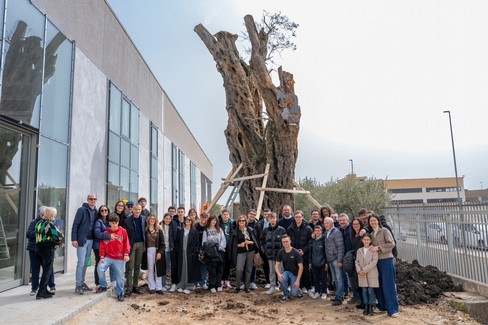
(82, 239)
(135, 224)
(271, 245)
(345, 229)
(334, 250)
(301, 234)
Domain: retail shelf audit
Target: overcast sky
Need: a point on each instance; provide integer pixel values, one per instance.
(372, 77)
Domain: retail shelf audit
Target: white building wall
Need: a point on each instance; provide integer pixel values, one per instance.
(161, 178)
(144, 158)
(88, 150)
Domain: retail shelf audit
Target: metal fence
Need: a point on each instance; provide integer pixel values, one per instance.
(451, 237)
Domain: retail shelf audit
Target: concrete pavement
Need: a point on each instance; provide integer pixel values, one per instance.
(18, 307)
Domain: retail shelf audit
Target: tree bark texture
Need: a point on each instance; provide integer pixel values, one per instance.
(252, 140)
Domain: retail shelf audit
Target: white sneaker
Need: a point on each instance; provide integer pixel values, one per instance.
(219, 289)
(316, 295)
(180, 290)
(228, 285)
(253, 286)
(205, 286)
(271, 291)
(173, 288)
(304, 290)
(164, 289)
(213, 290)
(186, 291)
(324, 296)
(242, 287)
(310, 294)
(267, 286)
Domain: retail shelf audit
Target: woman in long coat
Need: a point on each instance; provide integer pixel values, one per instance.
(187, 246)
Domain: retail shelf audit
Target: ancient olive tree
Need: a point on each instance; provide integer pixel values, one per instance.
(263, 119)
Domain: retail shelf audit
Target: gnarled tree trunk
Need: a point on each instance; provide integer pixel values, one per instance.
(249, 91)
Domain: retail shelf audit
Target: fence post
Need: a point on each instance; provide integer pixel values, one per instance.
(450, 245)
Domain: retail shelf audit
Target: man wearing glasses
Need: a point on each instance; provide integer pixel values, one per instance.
(82, 239)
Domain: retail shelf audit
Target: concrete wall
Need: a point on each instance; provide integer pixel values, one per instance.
(88, 150)
(144, 157)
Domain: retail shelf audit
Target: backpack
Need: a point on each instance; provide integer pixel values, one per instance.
(348, 262)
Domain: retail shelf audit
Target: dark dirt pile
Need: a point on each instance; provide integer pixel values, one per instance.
(418, 284)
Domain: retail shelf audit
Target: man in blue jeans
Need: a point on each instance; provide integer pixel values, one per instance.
(292, 265)
(82, 240)
(334, 250)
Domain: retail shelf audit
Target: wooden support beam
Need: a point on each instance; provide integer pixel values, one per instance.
(261, 195)
(282, 190)
(244, 178)
(310, 197)
(223, 187)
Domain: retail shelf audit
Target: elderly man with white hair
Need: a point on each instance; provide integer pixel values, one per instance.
(334, 250)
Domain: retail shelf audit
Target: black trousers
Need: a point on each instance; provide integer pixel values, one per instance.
(319, 276)
(174, 266)
(305, 280)
(215, 271)
(46, 252)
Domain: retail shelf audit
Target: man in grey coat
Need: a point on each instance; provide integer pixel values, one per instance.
(334, 250)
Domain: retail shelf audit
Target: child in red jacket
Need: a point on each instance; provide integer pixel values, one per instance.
(114, 253)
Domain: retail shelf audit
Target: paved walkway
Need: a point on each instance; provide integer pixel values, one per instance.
(18, 307)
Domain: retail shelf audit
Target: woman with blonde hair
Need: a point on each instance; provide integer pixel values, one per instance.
(48, 236)
(155, 255)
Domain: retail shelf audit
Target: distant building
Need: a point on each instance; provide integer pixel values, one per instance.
(425, 190)
(477, 195)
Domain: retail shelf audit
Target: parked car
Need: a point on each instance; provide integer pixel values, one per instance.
(436, 232)
(475, 236)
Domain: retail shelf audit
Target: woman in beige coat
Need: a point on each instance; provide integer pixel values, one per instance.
(366, 261)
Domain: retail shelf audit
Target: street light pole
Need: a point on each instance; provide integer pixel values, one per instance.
(454, 156)
(352, 167)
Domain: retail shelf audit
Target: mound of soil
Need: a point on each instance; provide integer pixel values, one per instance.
(417, 284)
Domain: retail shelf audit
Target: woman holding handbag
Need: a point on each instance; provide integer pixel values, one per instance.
(155, 255)
(244, 245)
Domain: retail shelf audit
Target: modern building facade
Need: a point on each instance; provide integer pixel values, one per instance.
(81, 112)
(425, 190)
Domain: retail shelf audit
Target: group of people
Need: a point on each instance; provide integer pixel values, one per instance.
(182, 252)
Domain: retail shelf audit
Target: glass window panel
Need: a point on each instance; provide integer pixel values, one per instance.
(134, 182)
(52, 185)
(115, 109)
(134, 125)
(154, 168)
(124, 182)
(154, 191)
(113, 175)
(154, 141)
(22, 71)
(124, 153)
(134, 158)
(113, 148)
(125, 118)
(57, 85)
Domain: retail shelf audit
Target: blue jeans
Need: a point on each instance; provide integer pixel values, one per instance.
(117, 267)
(83, 254)
(167, 256)
(203, 274)
(338, 280)
(289, 280)
(368, 296)
(386, 294)
(35, 262)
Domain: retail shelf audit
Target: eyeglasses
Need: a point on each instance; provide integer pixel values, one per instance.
(104, 210)
(92, 198)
